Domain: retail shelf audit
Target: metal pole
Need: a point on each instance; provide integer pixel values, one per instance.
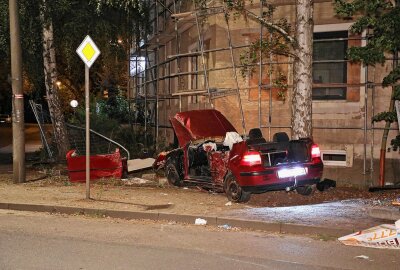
(203, 61)
(234, 73)
(260, 68)
(87, 109)
(18, 123)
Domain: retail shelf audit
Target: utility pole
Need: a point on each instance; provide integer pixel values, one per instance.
(18, 122)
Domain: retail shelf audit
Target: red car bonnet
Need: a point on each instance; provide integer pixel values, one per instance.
(200, 124)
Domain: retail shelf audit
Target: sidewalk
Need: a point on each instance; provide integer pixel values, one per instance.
(151, 201)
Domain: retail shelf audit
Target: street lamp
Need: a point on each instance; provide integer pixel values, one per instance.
(74, 103)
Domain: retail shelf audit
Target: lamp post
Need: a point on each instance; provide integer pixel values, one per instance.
(74, 103)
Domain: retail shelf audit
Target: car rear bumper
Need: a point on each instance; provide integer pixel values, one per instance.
(279, 186)
(268, 180)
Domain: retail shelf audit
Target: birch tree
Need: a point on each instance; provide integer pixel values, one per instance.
(302, 70)
(50, 76)
(299, 47)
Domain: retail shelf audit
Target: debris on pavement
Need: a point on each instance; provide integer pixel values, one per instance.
(326, 184)
(149, 176)
(228, 203)
(135, 181)
(225, 226)
(362, 257)
(200, 221)
(101, 166)
(396, 202)
(382, 236)
(140, 164)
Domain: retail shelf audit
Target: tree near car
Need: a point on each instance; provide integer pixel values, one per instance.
(60, 135)
(299, 46)
(302, 70)
(381, 20)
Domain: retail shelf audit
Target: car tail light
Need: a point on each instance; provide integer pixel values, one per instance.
(315, 152)
(251, 158)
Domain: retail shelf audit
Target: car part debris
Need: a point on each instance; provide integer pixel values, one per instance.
(326, 184)
(101, 166)
(140, 164)
(382, 236)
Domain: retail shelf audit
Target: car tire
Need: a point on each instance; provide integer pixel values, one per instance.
(234, 191)
(305, 190)
(172, 175)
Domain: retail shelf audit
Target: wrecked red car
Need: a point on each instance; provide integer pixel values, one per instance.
(212, 154)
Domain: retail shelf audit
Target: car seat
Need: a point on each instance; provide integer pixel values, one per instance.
(255, 136)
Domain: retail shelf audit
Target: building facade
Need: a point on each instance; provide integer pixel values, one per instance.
(193, 59)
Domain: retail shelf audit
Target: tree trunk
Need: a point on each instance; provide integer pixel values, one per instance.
(50, 75)
(302, 71)
(385, 135)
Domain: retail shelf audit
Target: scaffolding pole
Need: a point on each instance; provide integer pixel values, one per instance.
(203, 61)
(234, 73)
(166, 78)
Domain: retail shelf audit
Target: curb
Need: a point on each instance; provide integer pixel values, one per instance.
(384, 213)
(277, 227)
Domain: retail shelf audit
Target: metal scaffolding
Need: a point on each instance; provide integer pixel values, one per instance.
(170, 78)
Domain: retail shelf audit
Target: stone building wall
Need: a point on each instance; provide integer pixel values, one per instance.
(338, 124)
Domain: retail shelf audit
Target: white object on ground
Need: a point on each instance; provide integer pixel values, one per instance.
(362, 257)
(138, 164)
(200, 221)
(225, 226)
(228, 203)
(231, 138)
(135, 181)
(382, 236)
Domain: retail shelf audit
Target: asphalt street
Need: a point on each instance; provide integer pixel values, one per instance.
(44, 241)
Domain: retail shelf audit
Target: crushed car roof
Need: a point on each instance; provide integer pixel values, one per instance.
(200, 124)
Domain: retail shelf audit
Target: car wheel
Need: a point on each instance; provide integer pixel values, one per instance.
(305, 190)
(173, 175)
(234, 192)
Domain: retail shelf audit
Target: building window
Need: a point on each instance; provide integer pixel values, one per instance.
(334, 157)
(330, 66)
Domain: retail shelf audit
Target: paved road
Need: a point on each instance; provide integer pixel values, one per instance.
(42, 241)
(32, 138)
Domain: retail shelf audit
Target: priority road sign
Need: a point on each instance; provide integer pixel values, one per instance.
(88, 51)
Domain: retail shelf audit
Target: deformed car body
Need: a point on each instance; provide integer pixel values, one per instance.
(213, 155)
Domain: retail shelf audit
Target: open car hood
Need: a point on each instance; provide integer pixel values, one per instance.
(200, 124)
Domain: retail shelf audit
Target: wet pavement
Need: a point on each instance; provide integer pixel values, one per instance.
(347, 214)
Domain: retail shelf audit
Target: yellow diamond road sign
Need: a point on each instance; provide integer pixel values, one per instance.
(88, 51)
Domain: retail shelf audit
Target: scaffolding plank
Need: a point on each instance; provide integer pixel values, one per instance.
(223, 93)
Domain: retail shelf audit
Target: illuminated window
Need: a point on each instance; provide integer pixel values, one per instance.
(137, 65)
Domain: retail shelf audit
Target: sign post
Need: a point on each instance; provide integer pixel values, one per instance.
(88, 52)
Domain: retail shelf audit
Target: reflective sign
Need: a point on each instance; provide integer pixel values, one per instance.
(88, 51)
